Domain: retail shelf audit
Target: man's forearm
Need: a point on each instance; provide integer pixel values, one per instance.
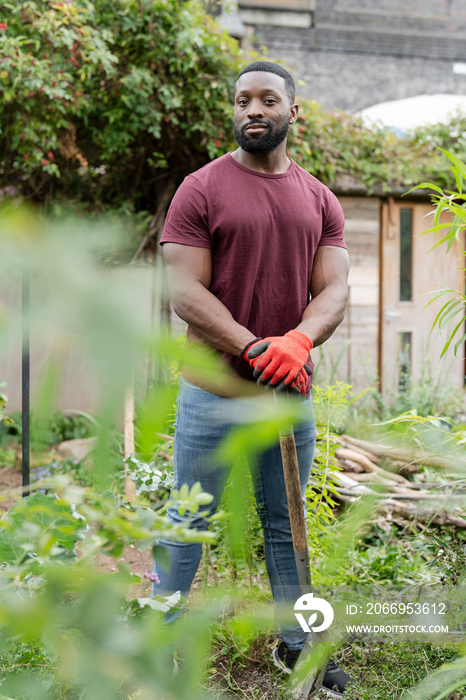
(324, 314)
(210, 319)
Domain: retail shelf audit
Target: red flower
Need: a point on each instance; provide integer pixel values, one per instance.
(34, 63)
(26, 155)
(218, 143)
(22, 137)
(302, 129)
(166, 120)
(3, 26)
(31, 94)
(44, 162)
(45, 55)
(50, 155)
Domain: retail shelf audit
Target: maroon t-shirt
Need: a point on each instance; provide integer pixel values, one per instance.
(263, 231)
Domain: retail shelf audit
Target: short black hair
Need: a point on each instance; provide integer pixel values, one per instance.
(269, 67)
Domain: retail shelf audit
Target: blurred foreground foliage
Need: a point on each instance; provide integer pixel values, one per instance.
(67, 631)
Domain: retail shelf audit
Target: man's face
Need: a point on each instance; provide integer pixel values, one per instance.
(262, 111)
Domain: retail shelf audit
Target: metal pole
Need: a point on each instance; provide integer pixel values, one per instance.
(25, 299)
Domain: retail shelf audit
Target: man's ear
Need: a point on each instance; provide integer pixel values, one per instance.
(293, 114)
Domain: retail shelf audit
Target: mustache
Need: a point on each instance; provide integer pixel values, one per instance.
(255, 121)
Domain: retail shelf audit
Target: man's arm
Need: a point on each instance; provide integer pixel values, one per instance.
(189, 272)
(329, 291)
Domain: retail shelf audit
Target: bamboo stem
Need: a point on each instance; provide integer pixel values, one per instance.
(130, 486)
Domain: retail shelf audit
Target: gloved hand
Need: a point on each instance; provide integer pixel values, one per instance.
(278, 360)
(299, 386)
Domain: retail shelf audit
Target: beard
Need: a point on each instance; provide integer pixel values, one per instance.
(264, 143)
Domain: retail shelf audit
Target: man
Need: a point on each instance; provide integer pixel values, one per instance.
(248, 239)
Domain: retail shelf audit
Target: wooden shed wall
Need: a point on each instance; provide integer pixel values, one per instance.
(351, 354)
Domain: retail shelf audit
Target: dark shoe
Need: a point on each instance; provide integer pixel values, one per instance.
(335, 679)
(284, 658)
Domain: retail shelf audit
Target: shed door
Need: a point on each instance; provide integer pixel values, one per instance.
(409, 271)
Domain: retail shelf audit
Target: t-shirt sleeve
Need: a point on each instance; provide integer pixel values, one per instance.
(187, 221)
(333, 222)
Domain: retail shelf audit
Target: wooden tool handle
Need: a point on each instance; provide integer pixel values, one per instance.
(293, 492)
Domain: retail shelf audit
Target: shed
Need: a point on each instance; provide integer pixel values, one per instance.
(386, 339)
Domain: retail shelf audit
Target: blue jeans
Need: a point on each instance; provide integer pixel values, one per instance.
(202, 421)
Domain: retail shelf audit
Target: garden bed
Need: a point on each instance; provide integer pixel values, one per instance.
(238, 667)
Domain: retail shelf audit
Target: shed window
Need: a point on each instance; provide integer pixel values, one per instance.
(406, 254)
(404, 361)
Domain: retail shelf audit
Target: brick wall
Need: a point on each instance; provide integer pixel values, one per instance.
(356, 54)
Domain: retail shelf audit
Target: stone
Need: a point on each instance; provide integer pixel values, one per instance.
(77, 449)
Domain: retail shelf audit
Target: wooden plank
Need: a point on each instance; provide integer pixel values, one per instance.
(356, 225)
(360, 207)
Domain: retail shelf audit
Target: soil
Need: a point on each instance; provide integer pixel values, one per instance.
(136, 561)
(10, 478)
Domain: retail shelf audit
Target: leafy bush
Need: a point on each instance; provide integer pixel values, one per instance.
(6, 423)
(3, 402)
(341, 150)
(96, 96)
(70, 426)
(54, 608)
(148, 477)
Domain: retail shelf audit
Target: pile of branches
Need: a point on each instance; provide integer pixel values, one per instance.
(366, 465)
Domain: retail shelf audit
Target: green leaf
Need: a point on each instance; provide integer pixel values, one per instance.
(461, 167)
(451, 338)
(160, 603)
(49, 515)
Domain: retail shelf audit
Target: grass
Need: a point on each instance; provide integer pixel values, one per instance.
(384, 670)
(381, 669)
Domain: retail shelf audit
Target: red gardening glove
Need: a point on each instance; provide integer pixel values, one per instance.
(278, 360)
(253, 362)
(299, 386)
